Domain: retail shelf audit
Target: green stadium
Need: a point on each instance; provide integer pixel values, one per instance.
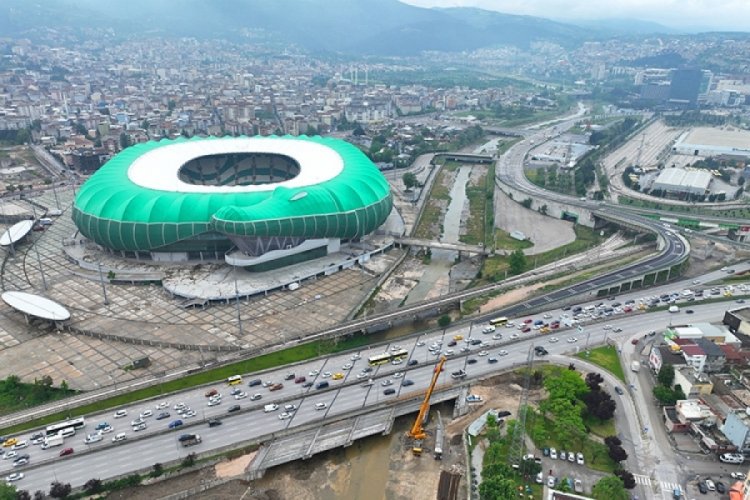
(254, 202)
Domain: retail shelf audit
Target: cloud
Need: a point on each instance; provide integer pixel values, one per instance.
(708, 14)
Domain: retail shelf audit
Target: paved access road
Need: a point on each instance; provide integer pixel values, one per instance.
(158, 444)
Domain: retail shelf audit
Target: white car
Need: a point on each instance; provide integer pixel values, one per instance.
(20, 445)
(178, 406)
(386, 382)
(552, 340)
(119, 437)
(482, 353)
(397, 361)
(313, 373)
(106, 429)
(321, 406)
(214, 402)
(146, 413)
(347, 366)
(420, 343)
(355, 357)
(139, 427)
(362, 375)
(16, 476)
(267, 383)
(285, 416)
(190, 414)
(93, 438)
(551, 481)
(10, 454)
(290, 408)
(137, 421)
(572, 340)
(579, 458)
(162, 405)
(326, 375)
(270, 408)
(121, 413)
(398, 374)
(241, 395)
(514, 336)
(395, 347)
(607, 327)
(502, 352)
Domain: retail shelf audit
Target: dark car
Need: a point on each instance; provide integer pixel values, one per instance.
(289, 376)
(162, 415)
(276, 387)
(504, 413)
(211, 392)
(689, 311)
(175, 424)
(545, 452)
(255, 382)
(299, 380)
(66, 451)
(322, 385)
(475, 341)
(720, 487)
(214, 422)
(233, 408)
(471, 361)
(407, 382)
(492, 360)
(702, 487)
(526, 329)
(619, 390)
(389, 391)
(451, 343)
(412, 362)
(308, 384)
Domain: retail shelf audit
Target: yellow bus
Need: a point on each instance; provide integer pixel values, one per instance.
(499, 321)
(234, 380)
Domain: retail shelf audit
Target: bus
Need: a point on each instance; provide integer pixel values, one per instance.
(387, 357)
(499, 321)
(234, 380)
(75, 424)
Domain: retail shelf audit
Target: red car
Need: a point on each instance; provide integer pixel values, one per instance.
(299, 380)
(526, 329)
(528, 320)
(66, 451)
(212, 392)
(634, 341)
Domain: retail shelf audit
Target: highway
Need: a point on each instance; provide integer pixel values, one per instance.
(158, 444)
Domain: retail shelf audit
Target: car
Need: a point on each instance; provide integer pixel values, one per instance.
(289, 376)
(66, 451)
(338, 376)
(347, 366)
(322, 385)
(572, 340)
(240, 395)
(175, 424)
(617, 330)
(689, 311)
(321, 406)
(214, 422)
(634, 341)
(482, 353)
(502, 352)
(389, 391)
(386, 382)
(37, 438)
(553, 453)
(552, 340)
(702, 487)
(563, 455)
(497, 336)
(492, 360)
(267, 383)
(710, 485)
(551, 481)
(326, 375)
(20, 445)
(179, 406)
(362, 375)
(398, 375)
(571, 457)
(356, 356)
(145, 414)
(105, 430)
(121, 413)
(190, 413)
(9, 442)
(308, 384)
(473, 398)
(119, 437)
(578, 486)
(10, 454)
(452, 343)
(233, 408)
(276, 387)
(619, 390)
(137, 421)
(525, 329)
(285, 416)
(720, 488)
(209, 394)
(139, 427)
(545, 451)
(407, 382)
(233, 392)
(270, 408)
(163, 415)
(738, 476)
(255, 382)
(290, 407)
(458, 337)
(397, 361)
(21, 461)
(256, 396)
(412, 362)
(300, 379)
(471, 361)
(16, 476)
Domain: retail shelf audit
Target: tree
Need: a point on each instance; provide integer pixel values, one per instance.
(593, 380)
(92, 486)
(627, 478)
(21, 495)
(358, 131)
(39, 495)
(444, 321)
(497, 488)
(665, 395)
(543, 209)
(157, 470)
(7, 491)
(611, 441)
(60, 490)
(665, 376)
(410, 180)
(609, 488)
(527, 203)
(618, 453)
(517, 262)
(189, 460)
(311, 130)
(124, 140)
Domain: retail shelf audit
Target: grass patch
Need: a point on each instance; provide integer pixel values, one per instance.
(607, 357)
(504, 241)
(478, 197)
(437, 201)
(216, 375)
(737, 212)
(541, 430)
(601, 428)
(16, 395)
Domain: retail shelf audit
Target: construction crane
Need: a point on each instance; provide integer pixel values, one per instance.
(417, 430)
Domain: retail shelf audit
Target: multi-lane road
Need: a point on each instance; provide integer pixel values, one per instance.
(158, 444)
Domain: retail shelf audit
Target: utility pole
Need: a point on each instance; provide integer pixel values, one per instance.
(101, 280)
(518, 440)
(237, 301)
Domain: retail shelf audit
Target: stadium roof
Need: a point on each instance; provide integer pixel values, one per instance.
(138, 202)
(36, 305)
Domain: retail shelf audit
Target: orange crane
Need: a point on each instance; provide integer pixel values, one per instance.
(417, 430)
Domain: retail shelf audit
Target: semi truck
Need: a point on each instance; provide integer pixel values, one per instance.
(189, 439)
(635, 366)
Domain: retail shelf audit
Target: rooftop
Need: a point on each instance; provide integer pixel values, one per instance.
(718, 137)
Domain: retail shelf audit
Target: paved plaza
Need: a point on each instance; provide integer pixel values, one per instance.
(182, 336)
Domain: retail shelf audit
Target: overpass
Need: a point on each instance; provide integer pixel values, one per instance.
(465, 157)
(458, 247)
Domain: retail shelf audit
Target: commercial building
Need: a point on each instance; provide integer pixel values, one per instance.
(707, 142)
(680, 181)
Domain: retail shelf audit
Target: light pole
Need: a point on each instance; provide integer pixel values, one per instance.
(237, 301)
(101, 280)
(39, 261)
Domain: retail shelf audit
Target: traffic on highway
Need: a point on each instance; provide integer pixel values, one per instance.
(255, 407)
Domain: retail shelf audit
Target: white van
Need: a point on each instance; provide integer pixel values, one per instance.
(674, 309)
(45, 221)
(270, 408)
(732, 458)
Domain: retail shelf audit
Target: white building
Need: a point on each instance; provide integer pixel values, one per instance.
(680, 180)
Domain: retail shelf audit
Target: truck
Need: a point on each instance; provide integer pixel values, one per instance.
(51, 441)
(189, 440)
(635, 366)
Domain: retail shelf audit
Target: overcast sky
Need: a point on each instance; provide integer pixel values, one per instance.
(726, 15)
